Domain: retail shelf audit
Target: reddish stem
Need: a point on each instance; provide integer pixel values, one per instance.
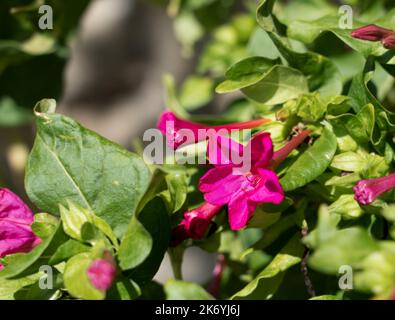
(280, 155)
(214, 286)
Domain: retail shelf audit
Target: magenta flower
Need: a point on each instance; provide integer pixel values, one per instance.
(101, 273)
(177, 130)
(16, 218)
(243, 191)
(389, 42)
(366, 191)
(195, 223)
(371, 32)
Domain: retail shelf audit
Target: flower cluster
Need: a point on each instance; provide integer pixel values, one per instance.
(229, 184)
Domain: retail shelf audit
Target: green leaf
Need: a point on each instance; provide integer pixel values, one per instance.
(312, 163)
(182, 290)
(308, 31)
(245, 73)
(9, 287)
(346, 206)
(34, 292)
(73, 220)
(76, 278)
(343, 247)
(196, 92)
(123, 289)
(136, 245)
(176, 195)
(71, 163)
(275, 86)
(266, 283)
(67, 250)
(323, 76)
(77, 218)
(44, 225)
(156, 221)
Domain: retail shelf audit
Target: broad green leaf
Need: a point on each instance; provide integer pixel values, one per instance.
(245, 73)
(196, 92)
(308, 31)
(67, 250)
(344, 247)
(346, 206)
(277, 85)
(9, 287)
(182, 290)
(349, 162)
(325, 230)
(35, 292)
(286, 222)
(136, 245)
(378, 274)
(266, 283)
(76, 278)
(312, 163)
(156, 221)
(71, 163)
(321, 72)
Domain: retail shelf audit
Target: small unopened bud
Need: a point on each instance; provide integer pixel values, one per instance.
(389, 42)
(101, 273)
(371, 32)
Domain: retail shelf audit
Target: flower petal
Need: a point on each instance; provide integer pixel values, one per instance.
(261, 150)
(219, 184)
(222, 150)
(269, 189)
(240, 210)
(16, 238)
(12, 208)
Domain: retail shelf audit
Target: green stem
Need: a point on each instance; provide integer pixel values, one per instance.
(176, 256)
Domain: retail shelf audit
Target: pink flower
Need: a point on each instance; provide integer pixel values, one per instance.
(195, 223)
(366, 191)
(371, 32)
(101, 273)
(176, 130)
(16, 218)
(242, 192)
(389, 42)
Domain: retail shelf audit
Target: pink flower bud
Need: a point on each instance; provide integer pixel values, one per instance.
(175, 128)
(101, 274)
(389, 42)
(366, 191)
(195, 223)
(371, 32)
